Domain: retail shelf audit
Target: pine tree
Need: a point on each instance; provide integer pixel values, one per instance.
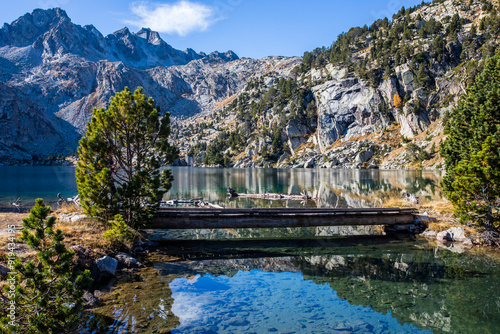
(120, 159)
(476, 185)
(474, 123)
(48, 294)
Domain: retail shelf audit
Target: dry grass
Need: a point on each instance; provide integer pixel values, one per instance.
(86, 232)
(68, 208)
(441, 210)
(9, 218)
(442, 207)
(225, 102)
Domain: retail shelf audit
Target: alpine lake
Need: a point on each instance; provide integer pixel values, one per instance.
(304, 280)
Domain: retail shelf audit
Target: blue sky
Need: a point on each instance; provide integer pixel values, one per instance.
(251, 28)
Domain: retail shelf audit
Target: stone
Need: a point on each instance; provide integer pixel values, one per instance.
(297, 134)
(310, 163)
(238, 321)
(429, 234)
(4, 271)
(91, 300)
(345, 105)
(127, 261)
(107, 264)
(364, 156)
(452, 234)
(76, 218)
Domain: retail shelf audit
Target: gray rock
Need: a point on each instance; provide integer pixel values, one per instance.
(297, 134)
(91, 300)
(107, 264)
(76, 218)
(452, 234)
(429, 234)
(364, 156)
(4, 271)
(405, 77)
(346, 108)
(310, 163)
(127, 261)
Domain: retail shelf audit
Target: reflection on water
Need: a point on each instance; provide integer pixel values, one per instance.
(334, 187)
(360, 285)
(262, 302)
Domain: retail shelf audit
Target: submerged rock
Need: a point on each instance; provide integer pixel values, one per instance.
(127, 261)
(107, 264)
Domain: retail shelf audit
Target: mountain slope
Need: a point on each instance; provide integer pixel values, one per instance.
(375, 98)
(53, 73)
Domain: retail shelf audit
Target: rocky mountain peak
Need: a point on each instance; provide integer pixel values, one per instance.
(226, 56)
(152, 37)
(26, 29)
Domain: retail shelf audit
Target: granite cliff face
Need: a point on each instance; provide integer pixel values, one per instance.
(376, 98)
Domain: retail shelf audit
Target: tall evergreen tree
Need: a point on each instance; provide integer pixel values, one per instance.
(120, 159)
(469, 151)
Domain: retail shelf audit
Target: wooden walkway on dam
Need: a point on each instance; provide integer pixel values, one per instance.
(200, 218)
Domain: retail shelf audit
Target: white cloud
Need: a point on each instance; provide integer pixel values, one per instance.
(182, 17)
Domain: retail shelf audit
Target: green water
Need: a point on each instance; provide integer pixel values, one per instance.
(332, 187)
(331, 285)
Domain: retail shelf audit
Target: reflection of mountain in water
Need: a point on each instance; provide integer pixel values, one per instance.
(441, 291)
(262, 233)
(431, 289)
(333, 187)
(445, 292)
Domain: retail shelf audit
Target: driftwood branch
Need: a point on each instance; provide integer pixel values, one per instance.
(303, 196)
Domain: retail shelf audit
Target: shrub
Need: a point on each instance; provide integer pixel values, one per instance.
(48, 295)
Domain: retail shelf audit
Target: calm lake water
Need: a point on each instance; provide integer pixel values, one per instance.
(334, 188)
(316, 280)
(334, 285)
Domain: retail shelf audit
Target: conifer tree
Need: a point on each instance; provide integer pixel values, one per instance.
(471, 150)
(120, 159)
(48, 295)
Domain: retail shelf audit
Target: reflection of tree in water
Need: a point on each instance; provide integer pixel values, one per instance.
(141, 304)
(419, 184)
(432, 289)
(450, 293)
(326, 184)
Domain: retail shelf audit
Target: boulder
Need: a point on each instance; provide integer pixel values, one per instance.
(76, 218)
(107, 264)
(452, 234)
(364, 156)
(429, 234)
(91, 300)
